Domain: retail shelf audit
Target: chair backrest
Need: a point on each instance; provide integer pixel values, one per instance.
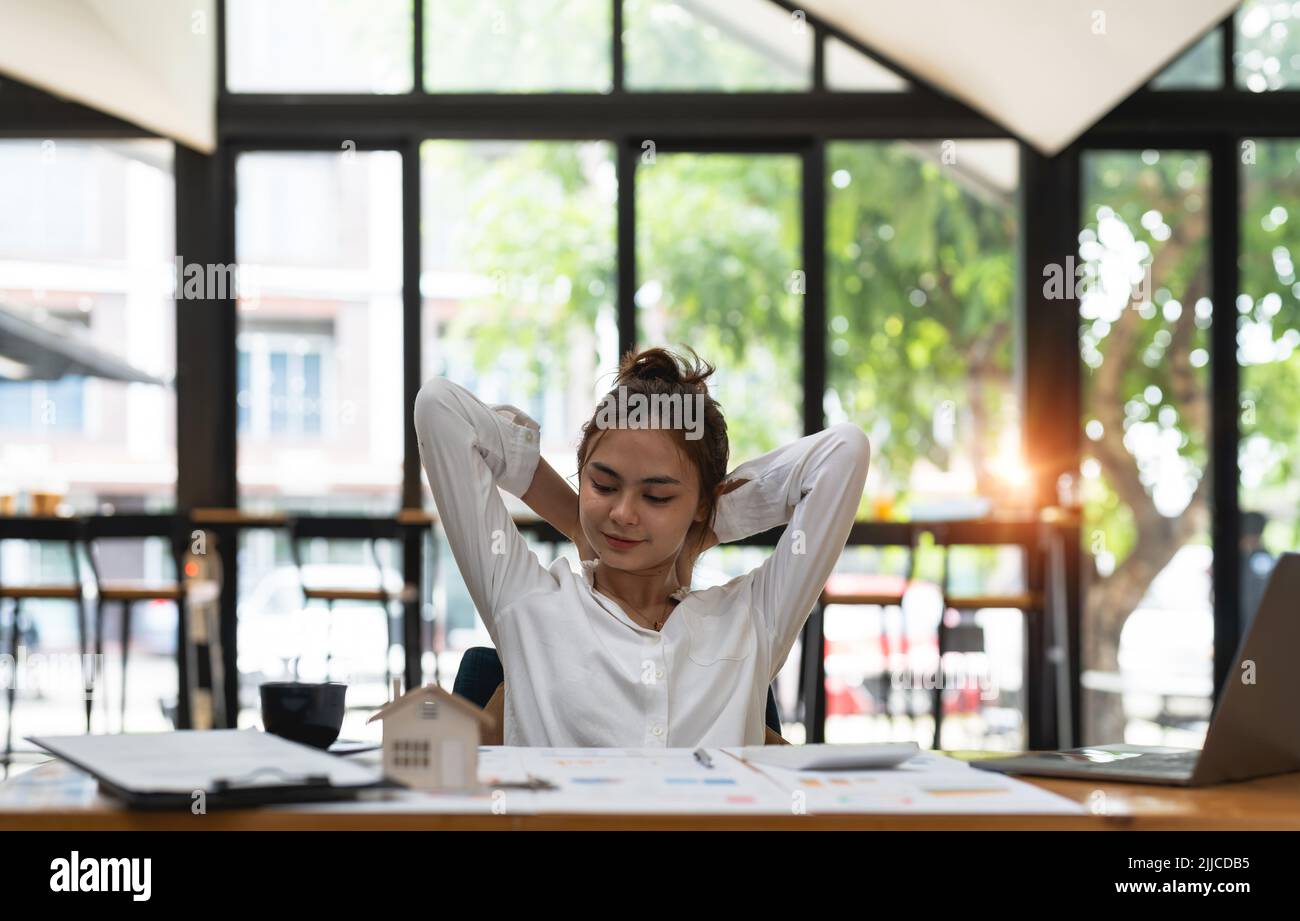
(480, 672)
(174, 529)
(342, 527)
(67, 531)
(950, 535)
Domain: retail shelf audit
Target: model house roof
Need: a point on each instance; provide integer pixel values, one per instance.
(433, 692)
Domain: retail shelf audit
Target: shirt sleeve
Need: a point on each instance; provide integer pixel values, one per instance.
(468, 450)
(812, 485)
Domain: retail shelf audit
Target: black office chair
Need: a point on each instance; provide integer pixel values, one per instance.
(480, 673)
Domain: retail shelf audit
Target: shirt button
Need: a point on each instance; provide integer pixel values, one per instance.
(660, 673)
(659, 730)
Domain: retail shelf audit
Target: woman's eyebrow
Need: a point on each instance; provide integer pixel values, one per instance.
(664, 480)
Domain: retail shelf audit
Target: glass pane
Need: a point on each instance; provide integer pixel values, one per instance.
(319, 46)
(718, 269)
(88, 339)
(1145, 313)
(920, 255)
(1267, 50)
(1268, 333)
(318, 236)
(1198, 68)
(283, 638)
(518, 285)
(882, 661)
(847, 68)
(701, 45)
(518, 46)
(518, 292)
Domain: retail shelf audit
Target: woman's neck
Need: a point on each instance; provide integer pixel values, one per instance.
(645, 589)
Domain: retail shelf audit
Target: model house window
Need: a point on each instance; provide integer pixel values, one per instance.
(411, 753)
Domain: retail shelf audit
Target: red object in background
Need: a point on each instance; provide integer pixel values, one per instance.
(842, 700)
(865, 583)
(963, 700)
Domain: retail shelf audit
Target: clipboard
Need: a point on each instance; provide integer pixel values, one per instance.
(229, 767)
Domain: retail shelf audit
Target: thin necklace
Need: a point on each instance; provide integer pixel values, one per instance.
(657, 625)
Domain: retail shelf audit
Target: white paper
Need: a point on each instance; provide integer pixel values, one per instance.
(928, 783)
(672, 781)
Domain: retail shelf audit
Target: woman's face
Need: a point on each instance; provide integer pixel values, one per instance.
(637, 485)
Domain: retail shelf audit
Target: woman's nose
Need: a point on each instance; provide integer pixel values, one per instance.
(624, 510)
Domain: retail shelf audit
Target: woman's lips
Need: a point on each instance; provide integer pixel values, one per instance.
(619, 544)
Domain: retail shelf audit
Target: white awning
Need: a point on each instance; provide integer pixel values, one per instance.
(149, 62)
(1047, 70)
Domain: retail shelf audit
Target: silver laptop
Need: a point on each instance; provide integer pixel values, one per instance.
(1254, 731)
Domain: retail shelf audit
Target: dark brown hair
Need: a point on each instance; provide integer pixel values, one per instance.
(658, 371)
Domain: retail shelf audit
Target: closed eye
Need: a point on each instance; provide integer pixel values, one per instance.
(605, 490)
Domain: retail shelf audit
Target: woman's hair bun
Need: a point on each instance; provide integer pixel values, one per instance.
(662, 365)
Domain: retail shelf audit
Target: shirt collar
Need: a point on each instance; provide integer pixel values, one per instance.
(589, 571)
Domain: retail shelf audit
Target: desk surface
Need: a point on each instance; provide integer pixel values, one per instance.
(1269, 803)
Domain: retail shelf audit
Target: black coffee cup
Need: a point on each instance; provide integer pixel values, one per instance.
(308, 713)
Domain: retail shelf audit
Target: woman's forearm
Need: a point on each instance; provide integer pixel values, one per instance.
(553, 499)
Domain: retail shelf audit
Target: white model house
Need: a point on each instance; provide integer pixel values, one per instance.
(431, 739)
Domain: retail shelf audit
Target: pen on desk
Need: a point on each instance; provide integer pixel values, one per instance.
(703, 758)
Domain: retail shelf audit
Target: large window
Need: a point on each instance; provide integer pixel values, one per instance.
(920, 254)
(1145, 315)
(319, 404)
(87, 352)
(517, 289)
(518, 278)
(87, 405)
(1268, 336)
(719, 269)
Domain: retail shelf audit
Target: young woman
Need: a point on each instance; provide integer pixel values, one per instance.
(622, 653)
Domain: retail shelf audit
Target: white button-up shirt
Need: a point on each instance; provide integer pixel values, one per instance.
(579, 671)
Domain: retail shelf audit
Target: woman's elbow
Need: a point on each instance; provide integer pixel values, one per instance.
(858, 444)
(433, 393)
(433, 400)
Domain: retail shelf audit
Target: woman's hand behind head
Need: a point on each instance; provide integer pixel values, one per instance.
(699, 538)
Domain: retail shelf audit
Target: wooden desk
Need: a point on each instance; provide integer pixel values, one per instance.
(1270, 803)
